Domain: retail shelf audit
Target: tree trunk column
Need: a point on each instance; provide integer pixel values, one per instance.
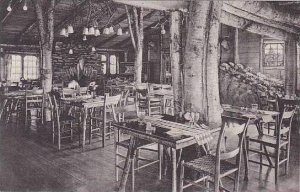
(175, 32)
(201, 74)
(291, 66)
(47, 70)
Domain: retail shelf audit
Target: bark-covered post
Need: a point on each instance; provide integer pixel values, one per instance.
(137, 37)
(45, 20)
(201, 77)
(175, 34)
(291, 66)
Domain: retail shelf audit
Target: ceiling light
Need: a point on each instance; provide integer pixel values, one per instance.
(111, 29)
(25, 6)
(9, 9)
(106, 31)
(126, 32)
(120, 31)
(63, 32)
(93, 49)
(71, 51)
(97, 32)
(84, 38)
(91, 31)
(85, 31)
(163, 31)
(70, 29)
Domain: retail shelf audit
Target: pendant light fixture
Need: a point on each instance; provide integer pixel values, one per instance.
(85, 31)
(25, 8)
(163, 31)
(93, 49)
(70, 29)
(9, 9)
(84, 38)
(111, 29)
(97, 32)
(71, 51)
(63, 32)
(106, 31)
(91, 31)
(119, 31)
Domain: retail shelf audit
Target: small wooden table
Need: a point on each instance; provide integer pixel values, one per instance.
(85, 104)
(254, 116)
(167, 133)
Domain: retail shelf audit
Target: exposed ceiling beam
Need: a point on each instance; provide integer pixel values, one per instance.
(161, 5)
(30, 26)
(257, 28)
(146, 29)
(13, 7)
(267, 11)
(149, 15)
(240, 12)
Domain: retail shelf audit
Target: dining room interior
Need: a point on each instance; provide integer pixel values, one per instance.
(149, 95)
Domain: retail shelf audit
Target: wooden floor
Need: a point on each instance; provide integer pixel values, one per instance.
(31, 163)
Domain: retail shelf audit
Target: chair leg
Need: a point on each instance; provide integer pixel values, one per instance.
(132, 175)
(181, 176)
(103, 135)
(288, 158)
(236, 182)
(116, 157)
(59, 139)
(137, 156)
(276, 164)
(260, 156)
(160, 155)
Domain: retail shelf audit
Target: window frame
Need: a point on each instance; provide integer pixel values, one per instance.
(273, 41)
(23, 55)
(107, 62)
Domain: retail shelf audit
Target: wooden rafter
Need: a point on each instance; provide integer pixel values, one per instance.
(125, 29)
(13, 6)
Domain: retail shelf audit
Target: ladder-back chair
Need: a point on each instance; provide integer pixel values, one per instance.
(226, 160)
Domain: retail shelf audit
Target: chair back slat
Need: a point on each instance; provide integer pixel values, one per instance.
(230, 154)
(286, 121)
(288, 114)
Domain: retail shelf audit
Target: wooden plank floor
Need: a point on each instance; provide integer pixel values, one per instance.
(31, 163)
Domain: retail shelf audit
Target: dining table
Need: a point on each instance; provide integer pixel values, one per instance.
(167, 96)
(85, 104)
(164, 132)
(255, 117)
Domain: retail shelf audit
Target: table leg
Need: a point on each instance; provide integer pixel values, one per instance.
(129, 158)
(174, 170)
(85, 112)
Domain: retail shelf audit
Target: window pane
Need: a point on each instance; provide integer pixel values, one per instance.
(113, 64)
(273, 54)
(31, 67)
(16, 68)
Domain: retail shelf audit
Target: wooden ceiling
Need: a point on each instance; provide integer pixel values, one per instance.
(20, 27)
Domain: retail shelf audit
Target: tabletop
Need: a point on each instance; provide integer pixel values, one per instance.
(84, 101)
(168, 133)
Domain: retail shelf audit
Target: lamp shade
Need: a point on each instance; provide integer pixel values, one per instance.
(106, 31)
(85, 31)
(111, 29)
(71, 51)
(9, 8)
(63, 32)
(70, 29)
(25, 8)
(120, 31)
(93, 49)
(84, 38)
(97, 32)
(91, 31)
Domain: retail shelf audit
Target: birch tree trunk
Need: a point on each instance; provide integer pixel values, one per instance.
(137, 38)
(291, 66)
(46, 30)
(175, 33)
(201, 77)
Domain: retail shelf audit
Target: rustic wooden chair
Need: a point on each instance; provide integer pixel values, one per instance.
(68, 93)
(101, 118)
(280, 142)
(129, 113)
(62, 123)
(33, 108)
(220, 164)
(145, 102)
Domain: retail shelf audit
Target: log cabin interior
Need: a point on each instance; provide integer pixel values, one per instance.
(142, 95)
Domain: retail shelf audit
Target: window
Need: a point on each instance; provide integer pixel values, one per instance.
(16, 68)
(109, 64)
(273, 52)
(113, 64)
(31, 68)
(103, 59)
(23, 66)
